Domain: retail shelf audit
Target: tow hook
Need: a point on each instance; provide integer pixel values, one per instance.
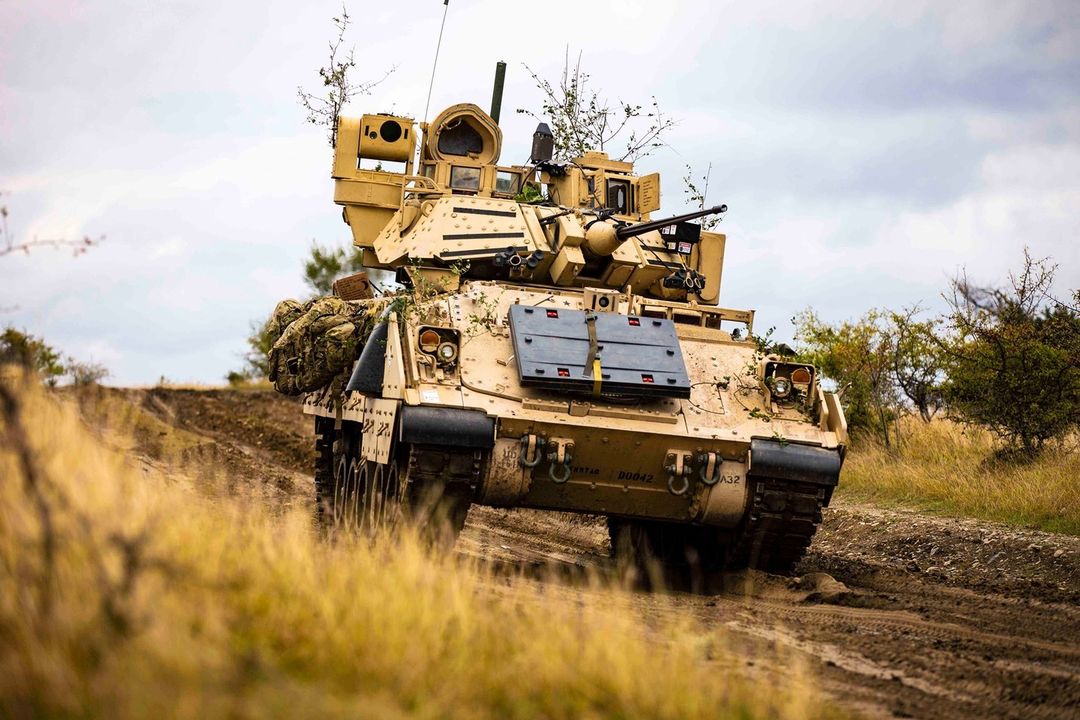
(678, 466)
(709, 468)
(560, 455)
(531, 447)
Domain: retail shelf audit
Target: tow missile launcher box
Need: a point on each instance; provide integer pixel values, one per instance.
(551, 344)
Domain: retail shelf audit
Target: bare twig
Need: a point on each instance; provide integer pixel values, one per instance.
(338, 88)
(697, 196)
(582, 120)
(78, 247)
(9, 245)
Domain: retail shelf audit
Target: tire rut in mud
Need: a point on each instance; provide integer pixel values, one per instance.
(886, 640)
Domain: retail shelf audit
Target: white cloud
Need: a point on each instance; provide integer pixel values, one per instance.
(867, 150)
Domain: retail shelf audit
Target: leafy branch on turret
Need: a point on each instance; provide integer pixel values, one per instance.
(581, 119)
(697, 194)
(337, 87)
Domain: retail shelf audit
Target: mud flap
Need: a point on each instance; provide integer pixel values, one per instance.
(795, 463)
(451, 427)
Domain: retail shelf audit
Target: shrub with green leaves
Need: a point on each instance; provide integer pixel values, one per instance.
(21, 348)
(325, 265)
(1013, 361)
(858, 357)
(917, 360)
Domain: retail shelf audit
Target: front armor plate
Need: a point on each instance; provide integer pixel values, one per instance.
(638, 356)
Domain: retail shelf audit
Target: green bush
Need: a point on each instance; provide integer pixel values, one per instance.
(858, 356)
(83, 374)
(325, 265)
(1013, 361)
(21, 348)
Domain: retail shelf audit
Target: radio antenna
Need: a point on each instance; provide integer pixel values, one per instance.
(427, 105)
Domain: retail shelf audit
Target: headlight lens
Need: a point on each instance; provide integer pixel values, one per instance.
(447, 352)
(781, 387)
(429, 340)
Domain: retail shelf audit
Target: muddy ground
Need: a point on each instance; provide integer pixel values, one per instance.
(899, 614)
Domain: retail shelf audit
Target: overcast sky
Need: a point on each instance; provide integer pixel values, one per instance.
(867, 150)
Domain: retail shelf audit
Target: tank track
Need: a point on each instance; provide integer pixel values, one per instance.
(456, 472)
(779, 524)
(324, 469)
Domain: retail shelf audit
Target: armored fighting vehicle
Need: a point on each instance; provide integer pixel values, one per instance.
(551, 345)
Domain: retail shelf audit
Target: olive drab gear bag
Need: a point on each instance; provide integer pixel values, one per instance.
(317, 341)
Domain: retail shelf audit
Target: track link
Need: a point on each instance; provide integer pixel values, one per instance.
(324, 469)
(779, 525)
(441, 484)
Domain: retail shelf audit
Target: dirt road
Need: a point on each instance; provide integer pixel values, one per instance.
(898, 614)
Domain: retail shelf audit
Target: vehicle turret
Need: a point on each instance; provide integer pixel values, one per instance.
(549, 345)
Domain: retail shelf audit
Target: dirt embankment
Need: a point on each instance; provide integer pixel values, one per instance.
(899, 614)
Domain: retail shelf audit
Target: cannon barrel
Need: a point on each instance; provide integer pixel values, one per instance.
(629, 231)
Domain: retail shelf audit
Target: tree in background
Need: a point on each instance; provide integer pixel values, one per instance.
(1013, 361)
(83, 374)
(18, 347)
(325, 265)
(21, 348)
(859, 357)
(697, 193)
(256, 361)
(581, 119)
(917, 360)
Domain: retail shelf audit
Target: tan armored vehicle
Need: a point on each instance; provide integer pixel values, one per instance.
(559, 348)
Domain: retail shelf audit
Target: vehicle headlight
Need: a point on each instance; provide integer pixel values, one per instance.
(429, 340)
(781, 387)
(447, 353)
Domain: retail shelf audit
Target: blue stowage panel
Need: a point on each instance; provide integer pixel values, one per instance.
(639, 356)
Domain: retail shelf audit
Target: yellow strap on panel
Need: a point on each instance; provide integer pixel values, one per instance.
(596, 377)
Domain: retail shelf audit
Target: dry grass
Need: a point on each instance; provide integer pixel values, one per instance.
(124, 594)
(947, 468)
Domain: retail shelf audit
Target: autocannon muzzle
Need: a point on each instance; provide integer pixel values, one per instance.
(603, 236)
(629, 231)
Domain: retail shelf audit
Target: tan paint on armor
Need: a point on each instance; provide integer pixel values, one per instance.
(649, 193)
(394, 380)
(619, 449)
(709, 259)
(619, 455)
(506, 481)
(378, 427)
(724, 503)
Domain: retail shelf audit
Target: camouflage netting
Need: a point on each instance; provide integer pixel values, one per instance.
(316, 341)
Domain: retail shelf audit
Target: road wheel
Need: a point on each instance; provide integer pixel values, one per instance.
(431, 488)
(351, 492)
(381, 504)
